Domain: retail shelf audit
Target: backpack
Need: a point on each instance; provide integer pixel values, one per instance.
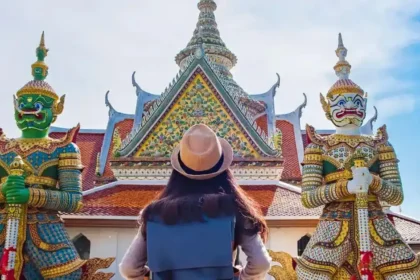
(192, 250)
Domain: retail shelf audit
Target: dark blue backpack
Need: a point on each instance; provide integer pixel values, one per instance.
(191, 251)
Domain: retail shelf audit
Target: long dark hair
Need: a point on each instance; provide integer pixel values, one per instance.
(184, 199)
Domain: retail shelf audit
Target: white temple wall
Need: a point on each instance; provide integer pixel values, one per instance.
(113, 242)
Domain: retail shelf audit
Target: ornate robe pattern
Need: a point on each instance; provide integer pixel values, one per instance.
(54, 183)
(333, 251)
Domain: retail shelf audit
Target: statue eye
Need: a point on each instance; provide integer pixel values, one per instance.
(358, 103)
(38, 106)
(341, 103)
(21, 106)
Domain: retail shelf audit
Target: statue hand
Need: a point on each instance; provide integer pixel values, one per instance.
(17, 196)
(361, 180)
(14, 190)
(12, 183)
(363, 173)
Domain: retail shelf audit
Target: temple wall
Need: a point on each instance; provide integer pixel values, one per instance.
(113, 242)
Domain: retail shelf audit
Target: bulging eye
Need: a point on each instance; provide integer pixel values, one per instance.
(358, 103)
(38, 106)
(21, 106)
(341, 103)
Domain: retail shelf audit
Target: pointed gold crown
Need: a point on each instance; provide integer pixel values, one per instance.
(39, 72)
(342, 70)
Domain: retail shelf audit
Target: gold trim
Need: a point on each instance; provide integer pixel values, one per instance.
(37, 180)
(387, 156)
(375, 236)
(339, 175)
(286, 270)
(351, 198)
(331, 160)
(343, 234)
(312, 157)
(40, 180)
(5, 166)
(36, 239)
(37, 197)
(70, 163)
(324, 269)
(343, 90)
(46, 165)
(385, 149)
(93, 265)
(376, 184)
(63, 269)
(69, 156)
(37, 90)
(393, 269)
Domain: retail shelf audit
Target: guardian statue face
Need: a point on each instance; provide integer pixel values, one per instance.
(36, 103)
(34, 112)
(347, 109)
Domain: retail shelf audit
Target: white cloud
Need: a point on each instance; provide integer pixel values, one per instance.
(391, 106)
(95, 46)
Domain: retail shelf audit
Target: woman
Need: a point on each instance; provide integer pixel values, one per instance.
(202, 184)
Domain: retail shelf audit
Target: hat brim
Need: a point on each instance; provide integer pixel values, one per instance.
(227, 161)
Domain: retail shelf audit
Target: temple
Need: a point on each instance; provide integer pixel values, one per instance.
(127, 163)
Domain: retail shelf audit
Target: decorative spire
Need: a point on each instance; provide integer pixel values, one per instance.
(39, 68)
(206, 32)
(342, 70)
(40, 72)
(342, 67)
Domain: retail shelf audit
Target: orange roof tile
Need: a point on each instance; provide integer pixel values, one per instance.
(291, 162)
(90, 145)
(262, 123)
(127, 200)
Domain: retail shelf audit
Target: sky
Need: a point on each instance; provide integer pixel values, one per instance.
(96, 45)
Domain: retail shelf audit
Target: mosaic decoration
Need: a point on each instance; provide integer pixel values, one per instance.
(354, 238)
(197, 104)
(39, 178)
(116, 142)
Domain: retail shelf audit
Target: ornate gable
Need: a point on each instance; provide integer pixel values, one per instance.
(197, 103)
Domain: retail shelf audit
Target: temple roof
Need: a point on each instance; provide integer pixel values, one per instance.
(201, 64)
(279, 201)
(119, 199)
(206, 32)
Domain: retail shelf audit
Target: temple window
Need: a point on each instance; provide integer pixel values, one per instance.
(302, 242)
(82, 244)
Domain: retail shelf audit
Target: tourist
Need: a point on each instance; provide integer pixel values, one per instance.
(201, 185)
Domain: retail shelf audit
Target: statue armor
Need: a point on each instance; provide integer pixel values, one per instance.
(335, 250)
(39, 178)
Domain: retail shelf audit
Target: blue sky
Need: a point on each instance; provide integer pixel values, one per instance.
(96, 45)
(404, 134)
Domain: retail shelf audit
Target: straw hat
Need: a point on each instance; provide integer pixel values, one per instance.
(200, 154)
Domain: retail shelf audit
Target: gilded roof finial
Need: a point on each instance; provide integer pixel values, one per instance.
(342, 67)
(39, 68)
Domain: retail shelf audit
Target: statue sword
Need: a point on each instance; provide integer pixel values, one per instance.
(365, 267)
(12, 259)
